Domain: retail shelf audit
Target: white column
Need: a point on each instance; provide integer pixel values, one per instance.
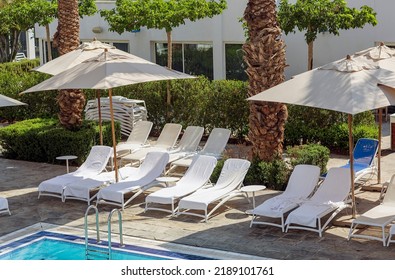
(218, 49)
(30, 46)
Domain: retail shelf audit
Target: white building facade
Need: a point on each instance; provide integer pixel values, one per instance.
(215, 41)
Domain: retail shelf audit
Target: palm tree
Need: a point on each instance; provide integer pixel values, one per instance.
(265, 58)
(71, 102)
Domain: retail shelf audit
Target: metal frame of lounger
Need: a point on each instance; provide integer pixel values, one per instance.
(137, 191)
(166, 140)
(289, 197)
(216, 141)
(320, 228)
(390, 234)
(338, 175)
(91, 155)
(204, 164)
(155, 166)
(385, 216)
(231, 189)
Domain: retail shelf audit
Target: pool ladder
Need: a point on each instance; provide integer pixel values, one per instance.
(91, 253)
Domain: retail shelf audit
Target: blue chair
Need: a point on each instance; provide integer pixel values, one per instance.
(364, 153)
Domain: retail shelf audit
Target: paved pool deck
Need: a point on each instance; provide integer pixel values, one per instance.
(228, 230)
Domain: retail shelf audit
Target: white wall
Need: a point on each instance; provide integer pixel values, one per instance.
(226, 28)
(221, 29)
(329, 47)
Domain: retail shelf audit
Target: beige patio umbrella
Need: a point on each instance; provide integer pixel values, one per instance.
(107, 71)
(384, 57)
(344, 86)
(6, 101)
(85, 51)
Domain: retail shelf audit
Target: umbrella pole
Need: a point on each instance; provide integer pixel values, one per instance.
(100, 122)
(114, 141)
(379, 148)
(351, 148)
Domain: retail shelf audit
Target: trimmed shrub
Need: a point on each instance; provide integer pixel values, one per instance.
(42, 140)
(15, 77)
(313, 154)
(273, 175)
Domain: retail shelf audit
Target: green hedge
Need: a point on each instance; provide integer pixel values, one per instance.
(313, 154)
(275, 174)
(15, 77)
(42, 140)
(329, 128)
(194, 102)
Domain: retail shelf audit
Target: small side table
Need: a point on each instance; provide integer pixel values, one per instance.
(167, 180)
(66, 158)
(253, 189)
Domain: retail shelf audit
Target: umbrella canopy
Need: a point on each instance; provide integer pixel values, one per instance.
(6, 101)
(107, 71)
(337, 86)
(83, 52)
(346, 85)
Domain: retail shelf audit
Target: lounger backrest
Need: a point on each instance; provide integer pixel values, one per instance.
(216, 142)
(140, 132)
(97, 159)
(233, 173)
(190, 139)
(152, 167)
(389, 198)
(303, 180)
(199, 171)
(169, 135)
(365, 150)
(336, 186)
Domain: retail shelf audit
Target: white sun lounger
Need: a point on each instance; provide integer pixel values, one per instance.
(84, 189)
(94, 164)
(188, 144)
(229, 181)
(214, 146)
(166, 141)
(301, 184)
(380, 216)
(4, 206)
(331, 197)
(136, 140)
(196, 177)
(152, 167)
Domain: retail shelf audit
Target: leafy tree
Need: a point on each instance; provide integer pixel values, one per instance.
(318, 16)
(129, 15)
(17, 16)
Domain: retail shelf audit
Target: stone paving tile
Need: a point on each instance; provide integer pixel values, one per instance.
(229, 229)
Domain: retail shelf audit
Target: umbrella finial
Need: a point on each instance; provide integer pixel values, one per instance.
(382, 44)
(348, 57)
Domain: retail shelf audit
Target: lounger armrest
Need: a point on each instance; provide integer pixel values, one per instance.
(209, 185)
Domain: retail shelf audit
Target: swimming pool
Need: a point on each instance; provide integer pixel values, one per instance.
(45, 245)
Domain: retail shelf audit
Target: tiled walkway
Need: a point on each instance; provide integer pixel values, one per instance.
(229, 230)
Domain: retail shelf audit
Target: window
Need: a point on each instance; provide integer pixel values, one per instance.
(235, 67)
(193, 59)
(121, 46)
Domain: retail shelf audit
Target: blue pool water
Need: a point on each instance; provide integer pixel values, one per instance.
(55, 246)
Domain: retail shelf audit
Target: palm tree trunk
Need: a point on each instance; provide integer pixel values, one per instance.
(265, 58)
(71, 102)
